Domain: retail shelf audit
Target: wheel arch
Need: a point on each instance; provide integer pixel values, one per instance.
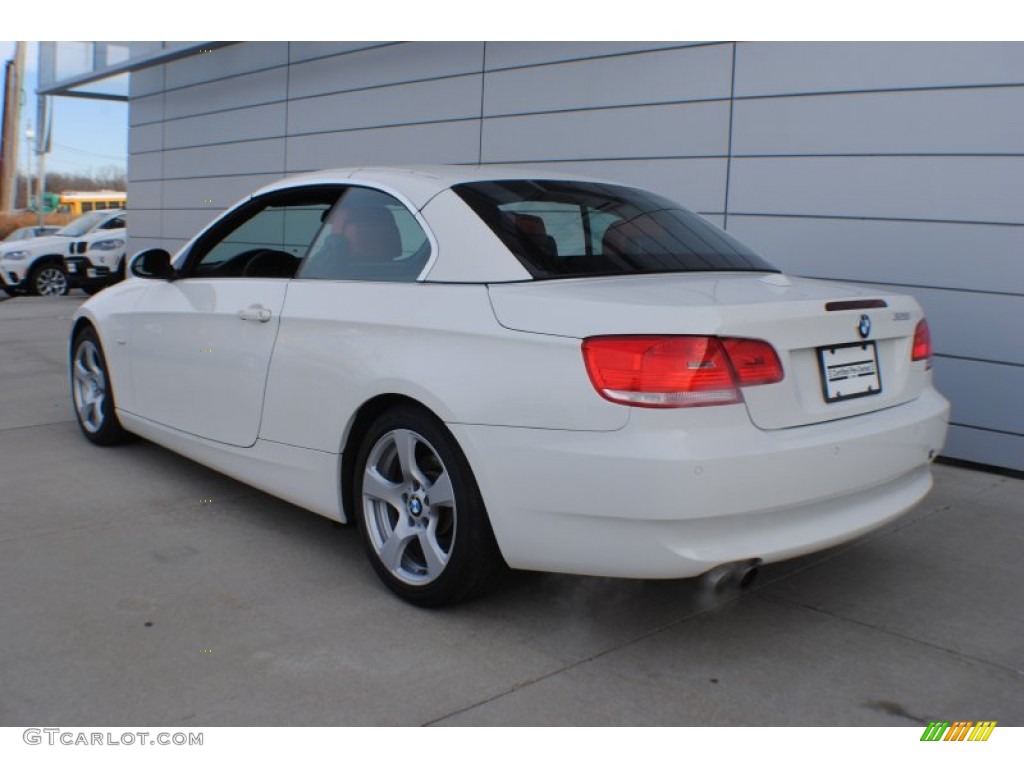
(81, 324)
(42, 261)
(47, 258)
(355, 431)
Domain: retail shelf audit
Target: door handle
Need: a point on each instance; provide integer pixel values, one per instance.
(256, 313)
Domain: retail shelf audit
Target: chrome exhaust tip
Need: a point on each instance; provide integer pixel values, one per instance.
(742, 574)
(746, 576)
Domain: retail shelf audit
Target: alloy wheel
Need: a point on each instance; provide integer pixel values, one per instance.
(409, 507)
(51, 281)
(89, 385)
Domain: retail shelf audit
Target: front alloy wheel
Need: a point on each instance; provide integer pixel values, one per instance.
(420, 514)
(50, 280)
(91, 393)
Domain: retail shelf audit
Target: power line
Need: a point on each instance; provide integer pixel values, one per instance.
(87, 152)
(85, 167)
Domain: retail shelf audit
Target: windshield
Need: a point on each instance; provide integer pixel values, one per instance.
(82, 225)
(573, 229)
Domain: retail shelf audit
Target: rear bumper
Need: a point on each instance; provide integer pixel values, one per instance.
(669, 500)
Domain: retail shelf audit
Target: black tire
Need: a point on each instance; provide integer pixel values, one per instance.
(49, 279)
(445, 551)
(91, 394)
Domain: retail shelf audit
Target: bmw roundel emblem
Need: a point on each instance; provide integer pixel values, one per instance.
(864, 327)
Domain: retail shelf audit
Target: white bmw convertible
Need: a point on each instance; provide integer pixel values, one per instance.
(486, 368)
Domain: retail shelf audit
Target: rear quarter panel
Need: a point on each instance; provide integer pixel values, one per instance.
(343, 343)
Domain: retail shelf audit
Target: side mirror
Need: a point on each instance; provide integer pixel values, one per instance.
(153, 264)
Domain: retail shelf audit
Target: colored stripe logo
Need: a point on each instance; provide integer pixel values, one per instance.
(960, 730)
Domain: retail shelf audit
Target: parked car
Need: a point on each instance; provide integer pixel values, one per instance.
(97, 258)
(37, 266)
(484, 368)
(27, 233)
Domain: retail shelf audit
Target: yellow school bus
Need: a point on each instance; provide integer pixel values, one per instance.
(77, 203)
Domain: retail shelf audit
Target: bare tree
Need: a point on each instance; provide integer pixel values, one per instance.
(109, 177)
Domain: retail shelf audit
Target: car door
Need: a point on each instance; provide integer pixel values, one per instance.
(353, 304)
(202, 343)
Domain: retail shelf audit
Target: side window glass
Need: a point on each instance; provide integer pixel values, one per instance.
(117, 223)
(270, 241)
(369, 235)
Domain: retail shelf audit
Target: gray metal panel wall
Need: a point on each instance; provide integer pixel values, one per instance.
(900, 166)
(896, 165)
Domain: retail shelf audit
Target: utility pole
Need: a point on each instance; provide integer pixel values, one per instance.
(41, 189)
(43, 137)
(29, 135)
(12, 109)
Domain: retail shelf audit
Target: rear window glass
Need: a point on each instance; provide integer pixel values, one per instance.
(572, 229)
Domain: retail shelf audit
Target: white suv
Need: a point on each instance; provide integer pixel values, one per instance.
(93, 245)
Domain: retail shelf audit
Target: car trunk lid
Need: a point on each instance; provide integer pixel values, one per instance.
(845, 351)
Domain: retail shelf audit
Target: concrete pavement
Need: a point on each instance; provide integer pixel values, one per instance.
(141, 588)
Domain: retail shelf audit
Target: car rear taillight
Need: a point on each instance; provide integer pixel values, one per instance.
(754, 361)
(677, 371)
(922, 343)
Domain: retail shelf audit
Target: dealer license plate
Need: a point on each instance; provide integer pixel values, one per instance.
(849, 370)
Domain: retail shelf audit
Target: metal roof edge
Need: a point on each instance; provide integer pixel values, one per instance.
(63, 87)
